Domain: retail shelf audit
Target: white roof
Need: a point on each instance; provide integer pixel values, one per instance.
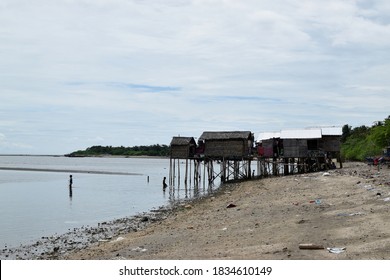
(332, 131)
(301, 134)
(267, 135)
(308, 133)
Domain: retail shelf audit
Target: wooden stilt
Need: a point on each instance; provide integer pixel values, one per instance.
(204, 173)
(170, 171)
(186, 173)
(174, 173)
(286, 166)
(178, 172)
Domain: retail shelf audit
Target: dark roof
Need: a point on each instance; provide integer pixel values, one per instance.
(225, 135)
(182, 141)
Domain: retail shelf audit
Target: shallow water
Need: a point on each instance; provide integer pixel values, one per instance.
(35, 203)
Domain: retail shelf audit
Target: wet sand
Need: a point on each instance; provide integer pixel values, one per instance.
(68, 171)
(259, 219)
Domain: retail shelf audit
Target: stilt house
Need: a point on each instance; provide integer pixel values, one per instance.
(183, 147)
(227, 144)
(330, 142)
(267, 143)
(300, 143)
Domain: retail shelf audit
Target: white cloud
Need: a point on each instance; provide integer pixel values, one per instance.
(134, 72)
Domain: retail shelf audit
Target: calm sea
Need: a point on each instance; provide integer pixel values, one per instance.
(39, 203)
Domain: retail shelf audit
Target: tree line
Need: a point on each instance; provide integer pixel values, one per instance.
(152, 150)
(365, 141)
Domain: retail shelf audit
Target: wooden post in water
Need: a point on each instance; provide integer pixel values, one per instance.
(186, 172)
(286, 165)
(204, 173)
(236, 169)
(170, 171)
(174, 173)
(190, 170)
(249, 169)
(210, 171)
(196, 172)
(178, 172)
(222, 167)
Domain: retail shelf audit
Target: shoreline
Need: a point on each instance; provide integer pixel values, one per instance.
(54, 246)
(59, 246)
(258, 219)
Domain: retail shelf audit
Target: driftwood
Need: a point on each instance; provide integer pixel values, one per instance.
(311, 246)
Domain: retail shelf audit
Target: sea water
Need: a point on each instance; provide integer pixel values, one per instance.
(34, 204)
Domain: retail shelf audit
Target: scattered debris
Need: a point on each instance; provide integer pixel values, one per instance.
(311, 246)
(120, 238)
(350, 214)
(368, 187)
(336, 250)
(316, 201)
(139, 249)
(145, 219)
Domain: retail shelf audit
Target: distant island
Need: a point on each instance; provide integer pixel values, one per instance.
(152, 150)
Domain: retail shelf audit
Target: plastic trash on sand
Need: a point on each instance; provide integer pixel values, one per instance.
(336, 250)
(350, 214)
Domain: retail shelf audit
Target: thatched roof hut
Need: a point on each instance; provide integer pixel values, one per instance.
(227, 144)
(183, 147)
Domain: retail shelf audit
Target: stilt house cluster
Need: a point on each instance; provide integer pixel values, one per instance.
(284, 152)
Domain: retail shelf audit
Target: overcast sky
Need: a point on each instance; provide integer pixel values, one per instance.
(77, 73)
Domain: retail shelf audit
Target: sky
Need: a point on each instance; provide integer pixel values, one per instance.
(78, 73)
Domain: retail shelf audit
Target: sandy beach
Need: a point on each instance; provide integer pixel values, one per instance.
(342, 213)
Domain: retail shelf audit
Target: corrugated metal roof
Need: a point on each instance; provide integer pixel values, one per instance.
(224, 135)
(267, 135)
(301, 134)
(308, 133)
(332, 131)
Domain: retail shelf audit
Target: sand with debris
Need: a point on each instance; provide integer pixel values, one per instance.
(345, 209)
(268, 219)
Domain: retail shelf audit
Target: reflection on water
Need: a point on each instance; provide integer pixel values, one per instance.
(36, 203)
